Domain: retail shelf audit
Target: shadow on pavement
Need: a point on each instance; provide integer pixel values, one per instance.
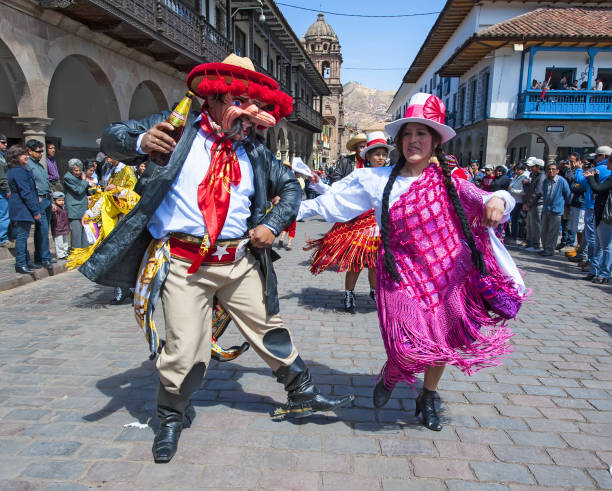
(605, 326)
(99, 298)
(135, 390)
(324, 299)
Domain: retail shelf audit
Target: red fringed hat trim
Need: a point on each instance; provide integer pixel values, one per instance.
(221, 78)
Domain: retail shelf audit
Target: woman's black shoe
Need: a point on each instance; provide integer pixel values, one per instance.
(425, 405)
(381, 394)
(23, 270)
(600, 281)
(589, 277)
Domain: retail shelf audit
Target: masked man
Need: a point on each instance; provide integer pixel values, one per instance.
(192, 224)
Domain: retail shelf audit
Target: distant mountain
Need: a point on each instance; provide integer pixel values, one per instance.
(364, 107)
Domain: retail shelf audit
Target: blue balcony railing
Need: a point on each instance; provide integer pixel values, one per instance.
(565, 104)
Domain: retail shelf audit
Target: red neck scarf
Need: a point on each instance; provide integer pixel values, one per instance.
(360, 161)
(214, 191)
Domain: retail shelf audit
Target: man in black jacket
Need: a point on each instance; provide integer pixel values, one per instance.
(346, 165)
(203, 207)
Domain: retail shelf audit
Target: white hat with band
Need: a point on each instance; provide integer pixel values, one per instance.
(375, 139)
(425, 109)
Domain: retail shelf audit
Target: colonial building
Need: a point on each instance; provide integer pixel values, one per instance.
(69, 67)
(487, 61)
(323, 47)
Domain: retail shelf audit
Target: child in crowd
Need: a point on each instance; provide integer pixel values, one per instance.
(60, 226)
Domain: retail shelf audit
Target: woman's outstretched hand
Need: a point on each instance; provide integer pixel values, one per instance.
(494, 212)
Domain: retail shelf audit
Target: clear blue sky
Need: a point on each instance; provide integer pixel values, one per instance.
(371, 42)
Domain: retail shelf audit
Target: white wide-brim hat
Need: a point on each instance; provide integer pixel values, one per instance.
(375, 139)
(425, 109)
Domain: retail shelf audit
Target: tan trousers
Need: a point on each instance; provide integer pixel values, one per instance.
(188, 301)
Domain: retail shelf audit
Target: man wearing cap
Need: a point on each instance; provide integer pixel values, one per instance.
(347, 164)
(533, 202)
(556, 193)
(602, 154)
(488, 177)
(191, 228)
(60, 227)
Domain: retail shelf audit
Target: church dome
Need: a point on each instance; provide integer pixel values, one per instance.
(320, 29)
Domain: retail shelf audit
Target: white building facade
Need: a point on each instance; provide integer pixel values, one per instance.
(481, 59)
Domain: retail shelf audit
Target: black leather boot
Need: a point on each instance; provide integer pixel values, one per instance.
(303, 398)
(175, 413)
(381, 394)
(167, 435)
(425, 405)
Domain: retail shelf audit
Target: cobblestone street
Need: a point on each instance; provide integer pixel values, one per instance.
(74, 371)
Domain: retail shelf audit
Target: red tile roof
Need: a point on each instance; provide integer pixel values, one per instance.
(555, 22)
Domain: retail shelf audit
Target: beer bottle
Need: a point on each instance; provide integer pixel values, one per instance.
(177, 119)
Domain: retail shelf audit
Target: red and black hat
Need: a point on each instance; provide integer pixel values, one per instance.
(236, 75)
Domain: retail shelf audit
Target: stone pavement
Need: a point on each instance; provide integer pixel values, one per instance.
(74, 371)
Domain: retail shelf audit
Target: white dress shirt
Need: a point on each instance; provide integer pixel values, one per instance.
(362, 190)
(179, 211)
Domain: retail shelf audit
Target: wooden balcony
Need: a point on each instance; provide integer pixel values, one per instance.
(167, 30)
(565, 104)
(306, 116)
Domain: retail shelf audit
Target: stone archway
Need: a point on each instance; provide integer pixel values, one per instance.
(466, 155)
(480, 149)
(458, 149)
(148, 99)
(575, 142)
(82, 103)
(527, 144)
(290, 146)
(271, 140)
(281, 145)
(14, 89)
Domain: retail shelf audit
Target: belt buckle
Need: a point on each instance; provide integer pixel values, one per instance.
(204, 246)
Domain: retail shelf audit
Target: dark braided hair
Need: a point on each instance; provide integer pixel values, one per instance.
(388, 258)
(477, 257)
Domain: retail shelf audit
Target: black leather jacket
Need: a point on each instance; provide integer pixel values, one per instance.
(342, 169)
(116, 260)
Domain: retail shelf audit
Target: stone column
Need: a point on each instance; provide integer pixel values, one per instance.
(34, 128)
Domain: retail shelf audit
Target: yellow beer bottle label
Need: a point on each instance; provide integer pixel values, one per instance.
(178, 117)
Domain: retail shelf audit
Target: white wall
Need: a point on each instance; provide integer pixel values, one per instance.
(506, 70)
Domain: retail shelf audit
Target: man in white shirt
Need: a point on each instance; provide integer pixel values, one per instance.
(198, 212)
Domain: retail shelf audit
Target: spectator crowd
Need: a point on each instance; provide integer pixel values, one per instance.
(563, 207)
(33, 194)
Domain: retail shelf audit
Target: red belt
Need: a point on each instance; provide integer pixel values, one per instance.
(186, 248)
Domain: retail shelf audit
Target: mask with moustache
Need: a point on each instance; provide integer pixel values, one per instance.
(237, 117)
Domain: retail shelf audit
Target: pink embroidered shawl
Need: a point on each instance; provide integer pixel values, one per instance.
(434, 315)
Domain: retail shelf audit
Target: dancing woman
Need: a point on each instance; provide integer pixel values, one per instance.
(353, 246)
(436, 249)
